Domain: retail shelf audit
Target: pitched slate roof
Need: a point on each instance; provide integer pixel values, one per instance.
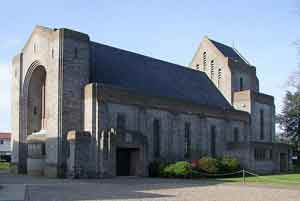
(229, 51)
(5, 136)
(152, 77)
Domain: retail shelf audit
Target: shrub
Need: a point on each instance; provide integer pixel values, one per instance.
(228, 164)
(179, 169)
(208, 164)
(156, 169)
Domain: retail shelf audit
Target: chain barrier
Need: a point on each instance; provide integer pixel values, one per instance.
(243, 172)
(218, 175)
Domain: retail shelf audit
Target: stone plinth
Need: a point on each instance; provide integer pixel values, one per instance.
(36, 153)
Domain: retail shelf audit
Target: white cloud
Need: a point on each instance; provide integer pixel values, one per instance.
(5, 96)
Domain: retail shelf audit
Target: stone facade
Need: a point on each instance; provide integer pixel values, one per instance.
(59, 90)
(236, 79)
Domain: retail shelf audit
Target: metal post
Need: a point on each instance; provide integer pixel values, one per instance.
(244, 179)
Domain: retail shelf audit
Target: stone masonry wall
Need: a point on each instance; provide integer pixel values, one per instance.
(42, 48)
(172, 130)
(75, 75)
(220, 62)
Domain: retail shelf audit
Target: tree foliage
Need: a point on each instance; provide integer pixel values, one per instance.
(289, 119)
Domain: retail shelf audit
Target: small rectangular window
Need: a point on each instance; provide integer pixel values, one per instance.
(1, 141)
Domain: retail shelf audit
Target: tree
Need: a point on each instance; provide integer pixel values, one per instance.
(289, 119)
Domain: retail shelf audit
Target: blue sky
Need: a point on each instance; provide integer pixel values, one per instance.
(263, 31)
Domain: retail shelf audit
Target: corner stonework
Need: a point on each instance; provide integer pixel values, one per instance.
(78, 161)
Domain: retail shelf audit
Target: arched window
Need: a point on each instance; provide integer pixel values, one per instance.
(197, 66)
(219, 76)
(204, 61)
(212, 70)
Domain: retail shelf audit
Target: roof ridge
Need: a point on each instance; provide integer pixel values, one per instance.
(229, 51)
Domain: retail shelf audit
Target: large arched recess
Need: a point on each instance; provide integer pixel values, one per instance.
(36, 101)
(33, 108)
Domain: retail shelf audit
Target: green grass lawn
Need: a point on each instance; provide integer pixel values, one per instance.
(4, 166)
(290, 179)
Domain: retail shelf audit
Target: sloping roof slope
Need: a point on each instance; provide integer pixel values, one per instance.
(229, 51)
(152, 77)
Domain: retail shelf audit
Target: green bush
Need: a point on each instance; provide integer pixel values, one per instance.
(208, 164)
(228, 164)
(156, 168)
(179, 169)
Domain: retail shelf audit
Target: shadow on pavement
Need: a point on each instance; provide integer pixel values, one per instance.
(120, 188)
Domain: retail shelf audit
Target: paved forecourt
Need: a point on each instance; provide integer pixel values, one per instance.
(125, 188)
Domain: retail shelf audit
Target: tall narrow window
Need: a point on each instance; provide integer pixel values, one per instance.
(76, 53)
(236, 135)
(262, 126)
(35, 48)
(156, 138)
(219, 76)
(187, 140)
(212, 70)
(241, 84)
(52, 53)
(43, 149)
(204, 61)
(213, 141)
(121, 123)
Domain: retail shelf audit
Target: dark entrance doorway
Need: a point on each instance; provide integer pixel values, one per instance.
(127, 159)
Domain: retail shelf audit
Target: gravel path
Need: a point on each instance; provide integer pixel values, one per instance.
(40, 189)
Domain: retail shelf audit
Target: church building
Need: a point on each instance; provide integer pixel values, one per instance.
(84, 108)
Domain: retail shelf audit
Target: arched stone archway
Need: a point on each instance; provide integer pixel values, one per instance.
(33, 108)
(36, 101)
